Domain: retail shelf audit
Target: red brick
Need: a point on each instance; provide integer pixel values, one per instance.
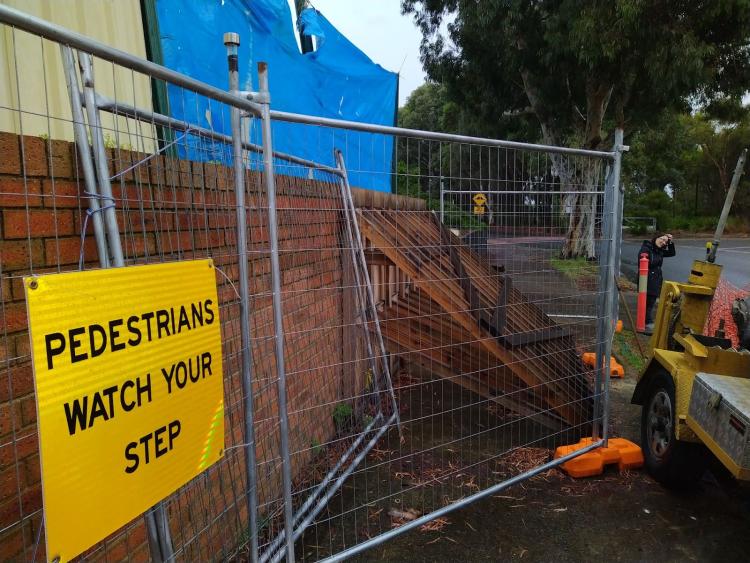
(10, 156)
(62, 194)
(24, 447)
(138, 245)
(120, 161)
(65, 251)
(27, 406)
(11, 542)
(15, 192)
(31, 499)
(20, 255)
(9, 483)
(13, 317)
(37, 223)
(34, 153)
(22, 345)
(21, 379)
(61, 159)
(33, 471)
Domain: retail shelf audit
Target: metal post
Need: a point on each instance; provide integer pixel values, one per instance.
(602, 306)
(442, 203)
(268, 172)
(84, 153)
(156, 519)
(356, 265)
(738, 170)
(613, 268)
(100, 158)
(368, 286)
(232, 42)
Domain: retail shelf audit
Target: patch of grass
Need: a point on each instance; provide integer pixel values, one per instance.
(575, 269)
(626, 349)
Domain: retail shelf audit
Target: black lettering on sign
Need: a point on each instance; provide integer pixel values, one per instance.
(91, 341)
(82, 413)
(134, 330)
(184, 320)
(75, 344)
(162, 322)
(95, 330)
(55, 345)
(194, 369)
(209, 312)
(160, 441)
(114, 335)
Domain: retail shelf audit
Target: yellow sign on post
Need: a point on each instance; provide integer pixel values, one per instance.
(129, 386)
(480, 199)
(479, 210)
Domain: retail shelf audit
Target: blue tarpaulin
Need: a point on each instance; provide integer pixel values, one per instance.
(337, 81)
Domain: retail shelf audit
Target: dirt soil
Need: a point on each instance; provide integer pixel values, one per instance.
(552, 517)
(617, 516)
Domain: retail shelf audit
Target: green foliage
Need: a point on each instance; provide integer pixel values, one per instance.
(693, 154)
(576, 269)
(408, 184)
(567, 72)
(583, 67)
(342, 415)
(626, 349)
(315, 446)
(655, 203)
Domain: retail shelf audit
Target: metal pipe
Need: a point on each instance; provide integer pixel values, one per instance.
(738, 170)
(84, 153)
(276, 543)
(442, 203)
(615, 225)
(117, 108)
(602, 308)
(522, 192)
(465, 501)
(232, 42)
(100, 159)
(55, 32)
(359, 272)
(159, 522)
(340, 481)
(431, 135)
(286, 462)
(368, 286)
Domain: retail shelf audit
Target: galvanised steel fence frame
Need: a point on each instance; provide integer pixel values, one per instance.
(280, 524)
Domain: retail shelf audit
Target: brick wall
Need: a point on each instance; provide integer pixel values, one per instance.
(170, 209)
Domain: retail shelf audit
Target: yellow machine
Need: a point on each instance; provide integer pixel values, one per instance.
(695, 389)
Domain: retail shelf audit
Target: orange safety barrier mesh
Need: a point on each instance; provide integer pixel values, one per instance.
(721, 308)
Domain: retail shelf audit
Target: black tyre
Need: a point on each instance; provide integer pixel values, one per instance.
(675, 464)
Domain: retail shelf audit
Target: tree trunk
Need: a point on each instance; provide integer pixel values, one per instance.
(581, 235)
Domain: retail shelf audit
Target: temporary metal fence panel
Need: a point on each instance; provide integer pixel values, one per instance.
(387, 358)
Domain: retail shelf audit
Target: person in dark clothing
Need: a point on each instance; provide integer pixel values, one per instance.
(657, 249)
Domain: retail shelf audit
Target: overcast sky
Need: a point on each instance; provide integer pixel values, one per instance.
(378, 28)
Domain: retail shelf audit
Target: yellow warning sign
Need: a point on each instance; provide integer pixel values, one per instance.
(479, 210)
(479, 199)
(128, 374)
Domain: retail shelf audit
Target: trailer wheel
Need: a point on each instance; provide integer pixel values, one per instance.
(674, 464)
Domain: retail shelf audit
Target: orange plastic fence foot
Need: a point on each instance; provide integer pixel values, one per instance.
(615, 368)
(624, 453)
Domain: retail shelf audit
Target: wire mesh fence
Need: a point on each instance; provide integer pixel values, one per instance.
(387, 356)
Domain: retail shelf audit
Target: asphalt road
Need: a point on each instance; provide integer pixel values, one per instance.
(733, 255)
